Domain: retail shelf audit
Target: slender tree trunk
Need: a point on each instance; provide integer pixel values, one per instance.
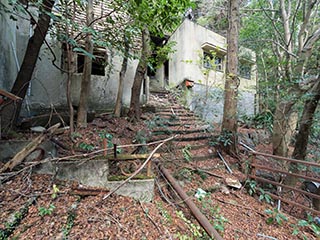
(68, 92)
(135, 111)
(11, 112)
(122, 74)
(71, 69)
(300, 149)
(86, 76)
(229, 123)
(284, 125)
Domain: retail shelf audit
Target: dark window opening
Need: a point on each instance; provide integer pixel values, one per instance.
(98, 63)
(245, 71)
(212, 62)
(166, 72)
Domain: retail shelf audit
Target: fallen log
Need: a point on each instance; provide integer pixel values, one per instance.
(203, 221)
(20, 156)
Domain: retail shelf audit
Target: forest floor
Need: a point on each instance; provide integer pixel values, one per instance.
(34, 206)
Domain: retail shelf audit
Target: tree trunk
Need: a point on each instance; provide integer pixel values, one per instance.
(302, 138)
(135, 111)
(86, 76)
(300, 149)
(284, 125)
(70, 57)
(122, 74)
(229, 123)
(11, 112)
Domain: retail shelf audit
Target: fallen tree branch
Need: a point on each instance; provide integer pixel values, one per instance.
(140, 168)
(20, 156)
(147, 214)
(224, 162)
(204, 171)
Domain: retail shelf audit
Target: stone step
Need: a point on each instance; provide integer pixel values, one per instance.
(162, 131)
(176, 108)
(184, 137)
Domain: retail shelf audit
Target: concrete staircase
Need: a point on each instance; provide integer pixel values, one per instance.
(192, 135)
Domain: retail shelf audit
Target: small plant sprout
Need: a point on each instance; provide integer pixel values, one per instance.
(46, 211)
(186, 153)
(276, 216)
(264, 196)
(55, 191)
(251, 186)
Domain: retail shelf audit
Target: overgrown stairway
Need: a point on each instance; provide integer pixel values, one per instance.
(193, 136)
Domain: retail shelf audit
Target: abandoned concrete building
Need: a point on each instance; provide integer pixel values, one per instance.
(187, 65)
(198, 65)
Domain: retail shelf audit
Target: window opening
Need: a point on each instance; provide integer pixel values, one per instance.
(245, 71)
(98, 63)
(210, 58)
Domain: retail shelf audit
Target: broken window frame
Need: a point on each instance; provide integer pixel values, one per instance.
(99, 63)
(208, 57)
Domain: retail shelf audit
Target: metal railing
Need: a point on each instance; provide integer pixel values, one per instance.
(256, 165)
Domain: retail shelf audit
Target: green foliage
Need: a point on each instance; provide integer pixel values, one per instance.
(142, 138)
(11, 225)
(43, 211)
(303, 224)
(167, 13)
(276, 216)
(251, 186)
(195, 230)
(263, 120)
(161, 54)
(264, 196)
(202, 174)
(85, 146)
(186, 153)
(70, 220)
(184, 174)
(212, 15)
(219, 220)
(225, 138)
(164, 213)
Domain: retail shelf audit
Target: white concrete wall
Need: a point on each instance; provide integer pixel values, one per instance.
(211, 108)
(103, 89)
(48, 84)
(8, 67)
(185, 63)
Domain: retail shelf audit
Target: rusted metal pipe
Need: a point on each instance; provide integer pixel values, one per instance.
(203, 221)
